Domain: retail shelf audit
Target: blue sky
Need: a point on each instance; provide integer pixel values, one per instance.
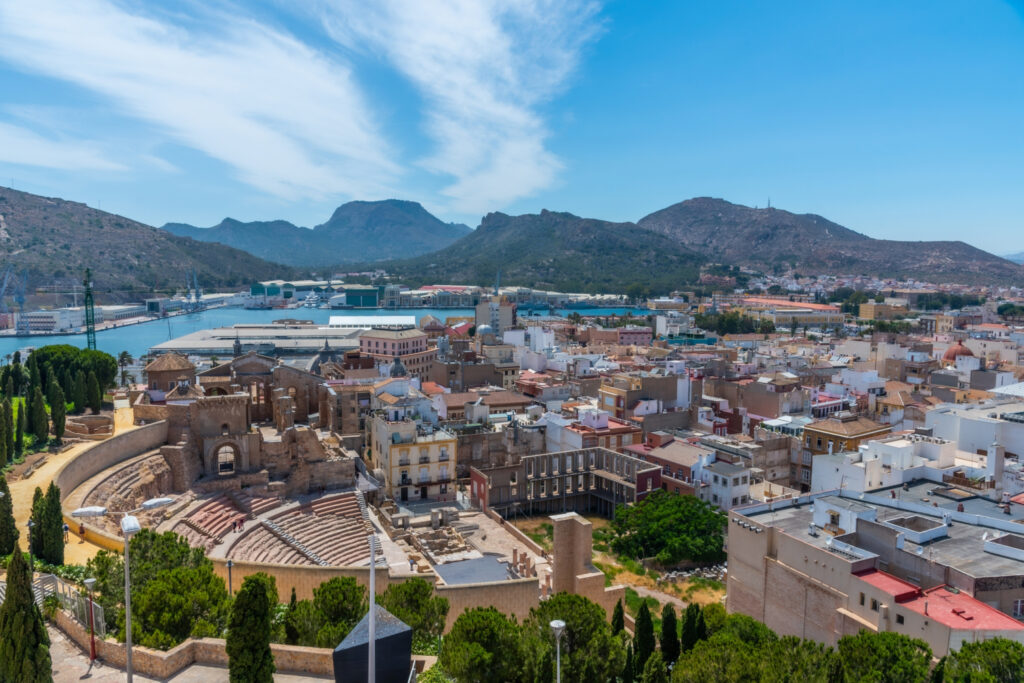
(899, 120)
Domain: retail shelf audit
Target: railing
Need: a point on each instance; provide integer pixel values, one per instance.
(424, 459)
(70, 599)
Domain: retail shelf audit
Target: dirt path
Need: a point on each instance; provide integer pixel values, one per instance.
(663, 598)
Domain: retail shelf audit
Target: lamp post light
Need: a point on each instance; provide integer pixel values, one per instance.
(371, 644)
(558, 626)
(90, 583)
(230, 565)
(129, 527)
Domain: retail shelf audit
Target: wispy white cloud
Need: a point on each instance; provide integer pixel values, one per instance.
(20, 145)
(290, 120)
(484, 67)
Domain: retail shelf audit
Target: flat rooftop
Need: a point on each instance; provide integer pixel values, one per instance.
(962, 548)
(269, 339)
(487, 569)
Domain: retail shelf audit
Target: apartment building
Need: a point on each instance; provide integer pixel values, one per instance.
(405, 343)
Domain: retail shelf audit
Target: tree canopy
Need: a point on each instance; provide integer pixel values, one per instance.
(24, 642)
(997, 660)
(885, 657)
(670, 528)
(248, 641)
(483, 645)
(413, 601)
(589, 650)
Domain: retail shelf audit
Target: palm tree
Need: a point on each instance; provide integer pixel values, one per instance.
(124, 359)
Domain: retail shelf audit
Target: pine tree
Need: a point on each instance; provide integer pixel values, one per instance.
(52, 550)
(8, 527)
(19, 438)
(93, 394)
(618, 619)
(669, 635)
(644, 638)
(78, 393)
(248, 641)
(40, 420)
(24, 642)
(58, 412)
(8, 417)
(655, 670)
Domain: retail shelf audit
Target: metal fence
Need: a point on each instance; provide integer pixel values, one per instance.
(70, 598)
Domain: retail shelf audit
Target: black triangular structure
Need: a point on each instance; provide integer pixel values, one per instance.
(393, 650)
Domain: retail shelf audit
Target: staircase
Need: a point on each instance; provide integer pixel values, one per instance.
(291, 540)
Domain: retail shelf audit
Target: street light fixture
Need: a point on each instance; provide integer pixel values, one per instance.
(90, 583)
(371, 644)
(129, 527)
(558, 626)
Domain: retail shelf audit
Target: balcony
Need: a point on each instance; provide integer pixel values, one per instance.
(444, 457)
(403, 462)
(424, 459)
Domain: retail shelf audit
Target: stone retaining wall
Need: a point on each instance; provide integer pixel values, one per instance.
(519, 535)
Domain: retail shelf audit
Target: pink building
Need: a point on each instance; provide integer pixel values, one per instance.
(635, 335)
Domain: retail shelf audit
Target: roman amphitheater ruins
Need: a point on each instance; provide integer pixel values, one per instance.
(262, 479)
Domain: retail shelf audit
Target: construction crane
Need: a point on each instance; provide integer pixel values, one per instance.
(90, 312)
(8, 271)
(19, 298)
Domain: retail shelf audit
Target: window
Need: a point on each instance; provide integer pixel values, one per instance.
(226, 459)
(874, 605)
(862, 599)
(1018, 609)
(899, 618)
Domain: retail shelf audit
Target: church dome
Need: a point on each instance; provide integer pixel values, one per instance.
(955, 351)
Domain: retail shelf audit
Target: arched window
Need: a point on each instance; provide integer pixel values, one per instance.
(226, 459)
(292, 391)
(224, 430)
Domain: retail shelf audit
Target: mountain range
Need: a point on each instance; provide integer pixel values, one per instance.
(356, 232)
(54, 241)
(1016, 258)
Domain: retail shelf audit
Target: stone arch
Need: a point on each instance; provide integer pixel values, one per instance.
(226, 456)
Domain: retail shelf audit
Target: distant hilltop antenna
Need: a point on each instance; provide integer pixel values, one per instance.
(90, 312)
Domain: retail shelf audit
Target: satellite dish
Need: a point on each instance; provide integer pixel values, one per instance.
(920, 550)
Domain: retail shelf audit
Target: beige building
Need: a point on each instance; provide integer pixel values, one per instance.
(418, 461)
(407, 343)
(828, 566)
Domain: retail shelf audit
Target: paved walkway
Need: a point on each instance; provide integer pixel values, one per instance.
(660, 597)
(76, 551)
(71, 665)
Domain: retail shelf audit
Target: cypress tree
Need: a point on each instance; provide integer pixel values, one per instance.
(19, 439)
(8, 527)
(291, 631)
(627, 670)
(248, 641)
(5, 455)
(52, 527)
(35, 538)
(689, 637)
(702, 627)
(93, 394)
(28, 406)
(8, 382)
(78, 393)
(9, 428)
(16, 374)
(40, 420)
(58, 412)
(669, 635)
(33, 373)
(618, 619)
(644, 639)
(24, 642)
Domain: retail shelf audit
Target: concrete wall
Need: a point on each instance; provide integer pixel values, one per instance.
(304, 578)
(102, 456)
(517, 534)
(516, 597)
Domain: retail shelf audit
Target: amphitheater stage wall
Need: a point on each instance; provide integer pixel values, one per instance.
(516, 596)
(102, 456)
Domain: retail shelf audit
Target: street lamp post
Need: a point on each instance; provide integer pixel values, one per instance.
(371, 645)
(89, 585)
(558, 626)
(129, 527)
(230, 565)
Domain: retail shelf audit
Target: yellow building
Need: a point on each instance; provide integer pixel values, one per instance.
(875, 311)
(418, 461)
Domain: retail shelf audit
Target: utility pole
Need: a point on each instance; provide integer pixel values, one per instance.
(90, 312)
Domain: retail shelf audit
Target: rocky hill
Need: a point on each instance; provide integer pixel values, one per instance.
(774, 240)
(56, 240)
(356, 232)
(560, 251)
